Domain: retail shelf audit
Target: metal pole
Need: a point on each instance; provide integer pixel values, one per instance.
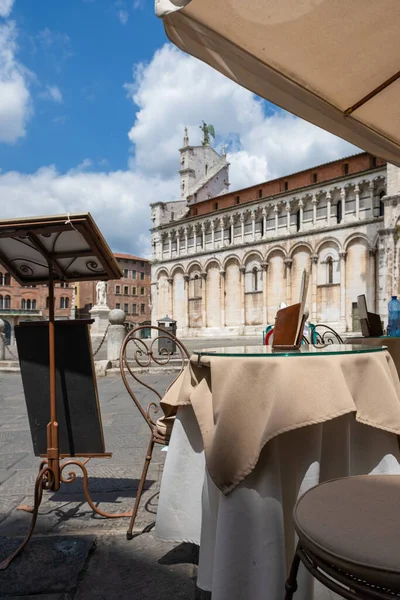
(53, 453)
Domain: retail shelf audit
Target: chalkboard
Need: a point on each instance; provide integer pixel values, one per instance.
(78, 411)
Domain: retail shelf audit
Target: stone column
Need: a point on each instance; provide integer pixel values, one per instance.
(232, 222)
(222, 297)
(328, 207)
(171, 299)
(169, 245)
(212, 225)
(301, 215)
(178, 249)
(195, 238)
(357, 194)
(242, 226)
(116, 333)
(253, 225)
(371, 187)
(264, 217)
(2, 344)
(343, 199)
(371, 289)
(221, 226)
(314, 202)
(288, 216)
(288, 263)
(204, 311)
(203, 236)
(186, 279)
(264, 266)
(185, 232)
(276, 210)
(314, 271)
(342, 256)
(242, 295)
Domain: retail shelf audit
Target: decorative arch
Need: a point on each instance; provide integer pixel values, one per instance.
(328, 240)
(212, 261)
(356, 236)
(300, 245)
(276, 248)
(251, 254)
(177, 268)
(232, 257)
(194, 265)
(161, 271)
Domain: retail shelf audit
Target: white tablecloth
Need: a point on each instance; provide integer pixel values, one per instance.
(246, 537)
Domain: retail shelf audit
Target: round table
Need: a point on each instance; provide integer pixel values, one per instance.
(257, 427)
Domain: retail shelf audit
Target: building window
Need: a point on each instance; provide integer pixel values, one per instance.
(23, 304)
(206, 169)
(298, 220)
(133, 274)
(339, 211)
(237, 200)
(346, 169)
(126, 290)
(195, 211)
(142, 276)
(215, 205)
(7, 302)
(373, 162)
(1, 278)
(255, 279)
(126, 273)
(28, 305)
(141, 263)
(286, 186)
(134, 311)
(118, 305)
(126, 308)
(230, 235)
(260, 193)
(117, 290)
(33, 305)
(142, 308)
(66, 302)
(1, 301)
(262, 227)
(381, 204)
(329, 265)
(134, 291)
(142, 291)
(7, 279)
(315, 177)
(62, 302)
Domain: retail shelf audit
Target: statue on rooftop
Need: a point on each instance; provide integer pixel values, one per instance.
(208, 130)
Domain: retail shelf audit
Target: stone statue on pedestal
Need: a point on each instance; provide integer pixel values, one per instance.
(101, 296)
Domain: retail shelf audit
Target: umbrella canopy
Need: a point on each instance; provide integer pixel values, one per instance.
(333, 63)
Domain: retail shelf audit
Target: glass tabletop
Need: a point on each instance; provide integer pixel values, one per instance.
(304, 350)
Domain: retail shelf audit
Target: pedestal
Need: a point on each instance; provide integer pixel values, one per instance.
(100, 316)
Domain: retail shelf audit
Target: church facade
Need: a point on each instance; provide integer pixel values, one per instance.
(224, 261)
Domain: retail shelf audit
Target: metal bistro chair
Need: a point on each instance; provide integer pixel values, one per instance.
(321, 335)
(144, 353)
(348, 533)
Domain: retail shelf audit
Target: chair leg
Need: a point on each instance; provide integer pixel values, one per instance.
(291, 582)
(146, 465)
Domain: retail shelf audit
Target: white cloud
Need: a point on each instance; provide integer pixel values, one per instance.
(119, 201)
(123, 16)
(175, 90)
(171, 92)
(52, 92)
(15, 101)
(6, 8)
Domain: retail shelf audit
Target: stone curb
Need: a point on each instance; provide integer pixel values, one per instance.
(104, 368)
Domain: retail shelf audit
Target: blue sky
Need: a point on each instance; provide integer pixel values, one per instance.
(93, 104)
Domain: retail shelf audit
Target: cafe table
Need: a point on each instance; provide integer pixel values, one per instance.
(255, 428)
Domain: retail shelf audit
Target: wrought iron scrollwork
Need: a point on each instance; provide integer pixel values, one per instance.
(323, 335)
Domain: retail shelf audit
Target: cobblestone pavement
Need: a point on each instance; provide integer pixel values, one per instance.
(75, 555)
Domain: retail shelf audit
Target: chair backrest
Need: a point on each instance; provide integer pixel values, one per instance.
(321, 334)
(138, 353)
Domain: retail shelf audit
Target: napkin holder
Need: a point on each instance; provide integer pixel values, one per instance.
(289, 327)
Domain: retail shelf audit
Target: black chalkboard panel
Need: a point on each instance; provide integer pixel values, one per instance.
(78, 411)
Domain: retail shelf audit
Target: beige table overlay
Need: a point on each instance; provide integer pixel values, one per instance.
(241, 403)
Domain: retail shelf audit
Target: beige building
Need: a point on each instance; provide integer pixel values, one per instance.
(222, 265)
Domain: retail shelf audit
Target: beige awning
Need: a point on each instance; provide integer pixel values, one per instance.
(335, 63)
